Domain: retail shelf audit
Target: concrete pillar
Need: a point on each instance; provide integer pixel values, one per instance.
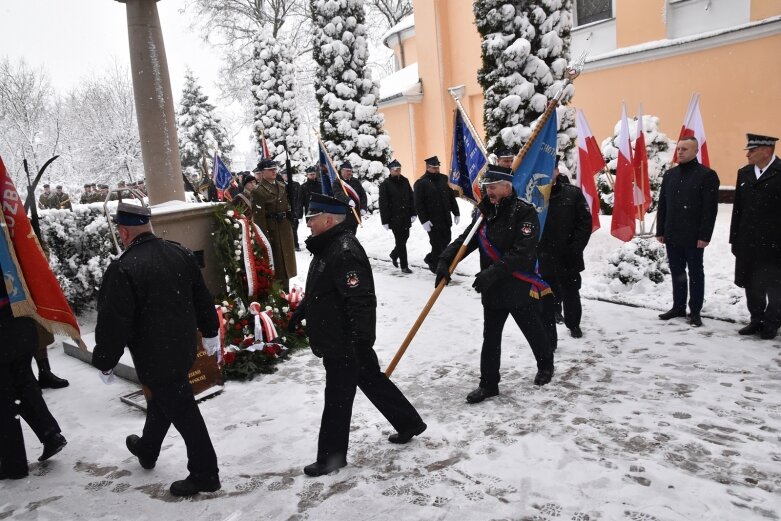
(154, 103)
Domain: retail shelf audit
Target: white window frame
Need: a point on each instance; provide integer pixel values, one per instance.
(575, 14)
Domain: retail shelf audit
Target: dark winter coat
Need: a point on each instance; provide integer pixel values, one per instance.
(688, 203)
(512, 227)
(755, 232)
(152, 300)
(397, 204)
(434, 200)
(355, 184)
(307, 189)
(340, 306)
(294, 198)
(567, 231)
(271, 212)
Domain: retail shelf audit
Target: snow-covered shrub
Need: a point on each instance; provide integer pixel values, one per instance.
(274, 97)
(640, 258)
(525, 49)
(660, 150)
(350, 124)
(80, 249)
(200, 131)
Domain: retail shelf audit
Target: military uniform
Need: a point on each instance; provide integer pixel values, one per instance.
(434, 202)
(271, 211)
(397, 209)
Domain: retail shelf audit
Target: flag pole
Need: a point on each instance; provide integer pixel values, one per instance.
(338, 177)
(572, 73)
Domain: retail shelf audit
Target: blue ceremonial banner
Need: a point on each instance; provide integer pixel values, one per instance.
(467, 163)
(533, 179)
(327, 181)
(222, 176)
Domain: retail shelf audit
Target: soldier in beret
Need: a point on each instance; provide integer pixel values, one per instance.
(153, 299)
(340, 308)
(271, 211)
(755, 235)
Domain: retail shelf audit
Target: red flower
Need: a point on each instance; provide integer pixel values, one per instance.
(230, 357)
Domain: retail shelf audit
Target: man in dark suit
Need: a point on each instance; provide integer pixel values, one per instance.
(153, 299)
(434, 202)
(755, 235)
(397, 212)
(340, 308)
(688, 202)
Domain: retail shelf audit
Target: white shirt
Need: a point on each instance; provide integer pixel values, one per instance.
(758, 171)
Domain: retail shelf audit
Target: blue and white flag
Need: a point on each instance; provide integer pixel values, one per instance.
(533, 179)
(221, 175)
(467, 163)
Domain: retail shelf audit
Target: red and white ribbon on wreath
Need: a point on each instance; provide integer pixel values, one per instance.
(293, 298)
(222, 332)
(265, 331)
(267, 245)
(248, 256)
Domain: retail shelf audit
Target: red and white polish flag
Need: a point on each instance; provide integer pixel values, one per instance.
(622, 225)
(590, 163)
(693, 126)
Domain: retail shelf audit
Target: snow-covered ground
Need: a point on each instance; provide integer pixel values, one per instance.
(644, 420)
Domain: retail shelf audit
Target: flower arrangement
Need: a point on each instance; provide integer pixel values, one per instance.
(254, 308)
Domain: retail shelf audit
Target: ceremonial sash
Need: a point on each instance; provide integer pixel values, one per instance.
(538, 287)
(33, 290)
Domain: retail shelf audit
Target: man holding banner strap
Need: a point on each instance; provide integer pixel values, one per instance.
(507, 284)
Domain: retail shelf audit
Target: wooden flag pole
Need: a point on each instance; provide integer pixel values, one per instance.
(572, 73)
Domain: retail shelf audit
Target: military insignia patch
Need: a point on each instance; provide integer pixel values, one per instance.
(526, 228)
(352, 280)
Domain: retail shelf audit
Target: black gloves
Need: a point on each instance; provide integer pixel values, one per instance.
(486, 278)
(295, 319)
(443, 272)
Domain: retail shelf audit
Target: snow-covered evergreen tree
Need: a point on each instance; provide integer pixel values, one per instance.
(200, 132)
(274, 96)
(525, 54)
(660, 150)
(350, 124)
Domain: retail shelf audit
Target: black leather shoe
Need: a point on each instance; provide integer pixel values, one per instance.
(132, 442)
(768, 332)
(406, 270)
(575, 332)
(673, 313)
(543, 376)
(394, 260)
(480, 394)
(192, 485)
(53, 444)
(751, 329)
(320, 469)
(13, 475)
(695, 320)
(404, 436)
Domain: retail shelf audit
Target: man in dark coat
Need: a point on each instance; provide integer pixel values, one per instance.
(153, 299)
(397, 212)
(296, 205)
(340, 308)
(507, 242)
(434, 202)
(311, 186)
(755, 235)
(346, 173)
(688, 203)
(567, 232)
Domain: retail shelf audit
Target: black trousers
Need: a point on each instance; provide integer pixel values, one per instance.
(763, 294)
(17, 382)
(566, 295)
(680, 258)
(342, 376)
(439, 238)
(400, 235)
(531, 325)
(294, 225)
(174, 403)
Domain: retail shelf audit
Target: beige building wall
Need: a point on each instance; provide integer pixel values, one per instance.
(739, 80)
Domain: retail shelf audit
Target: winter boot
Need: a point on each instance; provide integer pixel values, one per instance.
(47, 379)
